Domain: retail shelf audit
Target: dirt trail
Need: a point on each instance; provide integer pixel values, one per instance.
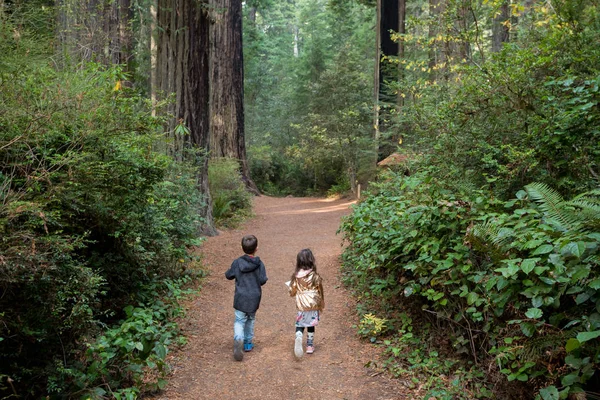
(205, 368)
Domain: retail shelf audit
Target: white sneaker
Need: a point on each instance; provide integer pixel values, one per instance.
(298, 347)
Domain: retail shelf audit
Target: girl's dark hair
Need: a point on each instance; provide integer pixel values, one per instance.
(305, 260)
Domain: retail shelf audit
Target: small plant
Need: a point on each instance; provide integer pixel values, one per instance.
(231, 201)
(371, 326)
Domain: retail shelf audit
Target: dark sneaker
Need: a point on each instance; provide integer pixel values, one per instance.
(238, 354)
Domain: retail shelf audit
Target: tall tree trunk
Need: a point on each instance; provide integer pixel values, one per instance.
(389, 22)
(227, 137)
(376, 77)
(183, 69)
(389, 14)
(500, 27)
(96, 30)
(402, 31)
(432, 35)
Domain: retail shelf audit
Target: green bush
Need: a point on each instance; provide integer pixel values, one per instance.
(115, 364)
(522, 275)
(229, 195)
(278, 174)
(90, 214)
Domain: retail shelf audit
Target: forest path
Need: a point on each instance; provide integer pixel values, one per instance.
(205, 368)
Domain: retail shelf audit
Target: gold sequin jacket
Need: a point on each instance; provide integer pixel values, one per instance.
(307, 286)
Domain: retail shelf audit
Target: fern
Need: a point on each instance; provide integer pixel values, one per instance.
(552, 205)
(491, 238)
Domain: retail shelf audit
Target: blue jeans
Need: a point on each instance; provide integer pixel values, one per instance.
(243, 327)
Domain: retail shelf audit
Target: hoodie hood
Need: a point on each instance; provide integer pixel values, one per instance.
(303, 272)
(249, 263)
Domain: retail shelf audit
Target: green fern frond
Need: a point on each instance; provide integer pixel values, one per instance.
(585, 204)
(491, 238)
(553, 205)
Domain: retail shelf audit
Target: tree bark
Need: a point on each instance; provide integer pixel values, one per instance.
(96, 30)
(389, 14)
(376, 78)
(183, 69)
(227, 136)
(500, 27)
(432, 35)
(402, 31)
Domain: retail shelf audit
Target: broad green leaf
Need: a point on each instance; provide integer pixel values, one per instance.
(549, 393)
(543, 249)
(472, 298)
(534, 313)
(595, 284)
(573, 361)
(572, 344)
(582, 298)
(570, 379)
(528, 264)
(574, 248)
(527, 328)
(585, 336)
(160, 350)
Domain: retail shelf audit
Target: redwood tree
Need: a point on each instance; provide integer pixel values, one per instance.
(182, 69)
(96, 30)
(227, 138)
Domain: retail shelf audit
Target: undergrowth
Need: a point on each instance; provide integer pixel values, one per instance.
(514, 284)
(128, 358)
(231, 202)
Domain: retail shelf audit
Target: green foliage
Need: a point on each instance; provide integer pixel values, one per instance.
(231, 200)
(371, 326)
(503, 120)
(412, 354)
(519, 287)
(308, 92)
(90, 213)
(118, 363)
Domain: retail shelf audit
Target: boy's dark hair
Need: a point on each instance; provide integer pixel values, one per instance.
(249, 244)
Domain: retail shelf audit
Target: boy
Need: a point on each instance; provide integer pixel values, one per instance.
(250, 274)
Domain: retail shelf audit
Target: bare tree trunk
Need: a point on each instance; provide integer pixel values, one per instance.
(376, 132)
(183, 69)
(389, 14)
(153, 56)
(432, 35)
(500, 27)
(227, 137)
(402, 31)
(96, 30)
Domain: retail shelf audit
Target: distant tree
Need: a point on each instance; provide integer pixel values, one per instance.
(501, 27)
(227, 138)
(96, 30)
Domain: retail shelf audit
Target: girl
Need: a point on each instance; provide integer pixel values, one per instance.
(307, 286)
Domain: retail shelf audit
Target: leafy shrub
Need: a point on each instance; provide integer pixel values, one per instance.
(116, 364)
(521, 278)
(90, 214)
(229, 195)
(278, 174)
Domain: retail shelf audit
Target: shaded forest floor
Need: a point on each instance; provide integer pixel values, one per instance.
(205, 368)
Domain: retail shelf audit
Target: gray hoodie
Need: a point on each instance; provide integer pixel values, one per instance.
(249, 274)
